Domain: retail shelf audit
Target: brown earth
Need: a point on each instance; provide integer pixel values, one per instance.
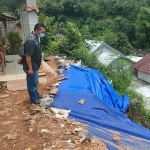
(25, 126)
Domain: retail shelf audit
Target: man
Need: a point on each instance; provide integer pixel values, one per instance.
(32, 61)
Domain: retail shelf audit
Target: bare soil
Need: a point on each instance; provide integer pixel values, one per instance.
(26, 126)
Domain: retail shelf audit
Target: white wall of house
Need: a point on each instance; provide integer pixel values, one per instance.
(144, 76)
(28, 19)
(106, 56)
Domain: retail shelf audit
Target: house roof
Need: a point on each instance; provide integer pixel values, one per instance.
(5, 17)
(105, 53)
(143, 64)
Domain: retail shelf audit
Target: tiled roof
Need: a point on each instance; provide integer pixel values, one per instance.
(143, 64)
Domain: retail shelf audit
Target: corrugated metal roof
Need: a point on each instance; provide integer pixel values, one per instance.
(105, 53)
(4, 17)
(143, 64)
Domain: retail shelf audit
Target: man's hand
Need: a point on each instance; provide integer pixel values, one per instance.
(20, 61)
(30, 71)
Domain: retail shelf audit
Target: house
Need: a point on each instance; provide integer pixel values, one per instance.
(5, 20)
(11, 26)
(105, 53)
(142, 68)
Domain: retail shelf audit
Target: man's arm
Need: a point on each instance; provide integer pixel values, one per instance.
(20, 61)
(29, 63)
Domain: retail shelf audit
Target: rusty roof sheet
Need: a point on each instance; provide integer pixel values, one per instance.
(143, 64)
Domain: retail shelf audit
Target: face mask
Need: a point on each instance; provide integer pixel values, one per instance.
(41, 35)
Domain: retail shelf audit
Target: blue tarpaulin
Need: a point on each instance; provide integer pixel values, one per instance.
(103, 109)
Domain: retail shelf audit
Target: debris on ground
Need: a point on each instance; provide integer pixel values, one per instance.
(26, 126)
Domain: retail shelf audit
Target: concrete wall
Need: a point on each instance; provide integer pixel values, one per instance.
(144, 76)
(28, 19)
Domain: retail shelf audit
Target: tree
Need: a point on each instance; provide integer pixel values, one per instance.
(143, 28)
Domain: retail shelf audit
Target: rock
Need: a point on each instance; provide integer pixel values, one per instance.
(116, 138)
(7, 122)
(83, 137)
(55, 85)
(8, 110)
(67, 66)
(60, 79)
(47, 116)
(65, 78)
(15, 93)
(78, 129)
(32, 122)
(81, 101)
(26, 118)
(51, 96)
(41, 74)
(62, 125)
(57, 113)
(4, 85)
(48, 88)
(28, 148)
(7, 92)
(4, 95)
(19, 102)
(46, 102)
(83, 134)
(60, 71)
(54, 91)
(30, 129)
(71, 145)
(45, 131)
(3, 112)
(62, 61)
(12, 136)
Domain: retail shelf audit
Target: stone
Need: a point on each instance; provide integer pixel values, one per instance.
(78, 129)
(32, 122)
(60, 71)
(3, 112)
(30, 129)
(81, 101)
(46, 102)
(7, 122)
(47, 116)
(19, 102)
(116, 138)
(83, 137)
(57, 113)
(8, 92)
(54, 91)
(41, 74)
(62, 125)
(45, 131)
(55, 85)
(28, 148)
(62, 61)
(67, 66)
(4, 95)
(71, 145)
(4, 85)
(48, 88)
(15, 93)
(12, 136)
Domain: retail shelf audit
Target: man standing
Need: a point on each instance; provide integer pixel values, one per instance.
(32, 61)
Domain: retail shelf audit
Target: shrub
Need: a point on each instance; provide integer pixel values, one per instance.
(14, 42)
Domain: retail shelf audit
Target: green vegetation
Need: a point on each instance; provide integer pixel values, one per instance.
(124, 25)
(14, 42)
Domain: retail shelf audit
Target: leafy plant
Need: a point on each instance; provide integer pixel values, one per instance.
(14, 42)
